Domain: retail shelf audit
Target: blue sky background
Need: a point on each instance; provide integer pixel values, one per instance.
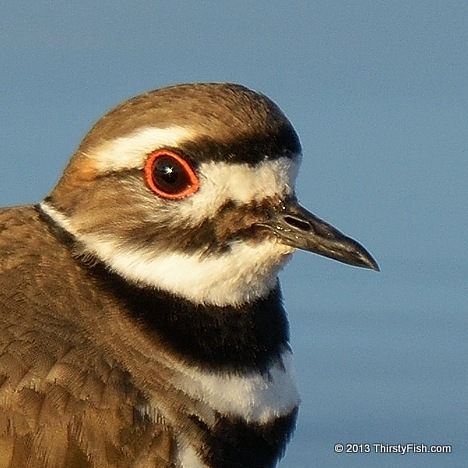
(378, 92)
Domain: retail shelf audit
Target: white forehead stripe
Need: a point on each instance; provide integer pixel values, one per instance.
(132, 150)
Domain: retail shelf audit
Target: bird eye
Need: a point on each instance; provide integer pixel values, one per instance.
(170, 176)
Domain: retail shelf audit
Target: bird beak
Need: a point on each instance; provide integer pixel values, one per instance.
(297, 227)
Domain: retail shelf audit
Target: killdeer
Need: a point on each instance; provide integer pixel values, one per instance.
(141, 316)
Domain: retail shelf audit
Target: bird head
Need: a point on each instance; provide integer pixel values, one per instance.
(190, 189)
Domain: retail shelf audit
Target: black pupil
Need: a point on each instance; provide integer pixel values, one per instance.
(169, 175)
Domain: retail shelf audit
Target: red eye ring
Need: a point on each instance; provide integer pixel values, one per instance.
(170, 176)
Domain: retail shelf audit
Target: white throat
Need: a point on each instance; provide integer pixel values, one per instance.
(244, 273)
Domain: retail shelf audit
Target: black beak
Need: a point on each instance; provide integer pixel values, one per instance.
(297, 227)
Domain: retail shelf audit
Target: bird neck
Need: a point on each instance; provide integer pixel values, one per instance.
(237, 338)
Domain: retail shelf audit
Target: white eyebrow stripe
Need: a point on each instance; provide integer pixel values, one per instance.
(132, 150)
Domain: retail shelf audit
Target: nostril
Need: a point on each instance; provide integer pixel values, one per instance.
(298, 223)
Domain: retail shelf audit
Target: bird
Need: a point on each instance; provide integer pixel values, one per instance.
(141, 318)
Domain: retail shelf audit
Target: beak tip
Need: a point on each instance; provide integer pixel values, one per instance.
(372, 265)
(365, 258)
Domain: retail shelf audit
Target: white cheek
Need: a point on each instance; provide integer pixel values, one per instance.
(239, 183)
(244, 183)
